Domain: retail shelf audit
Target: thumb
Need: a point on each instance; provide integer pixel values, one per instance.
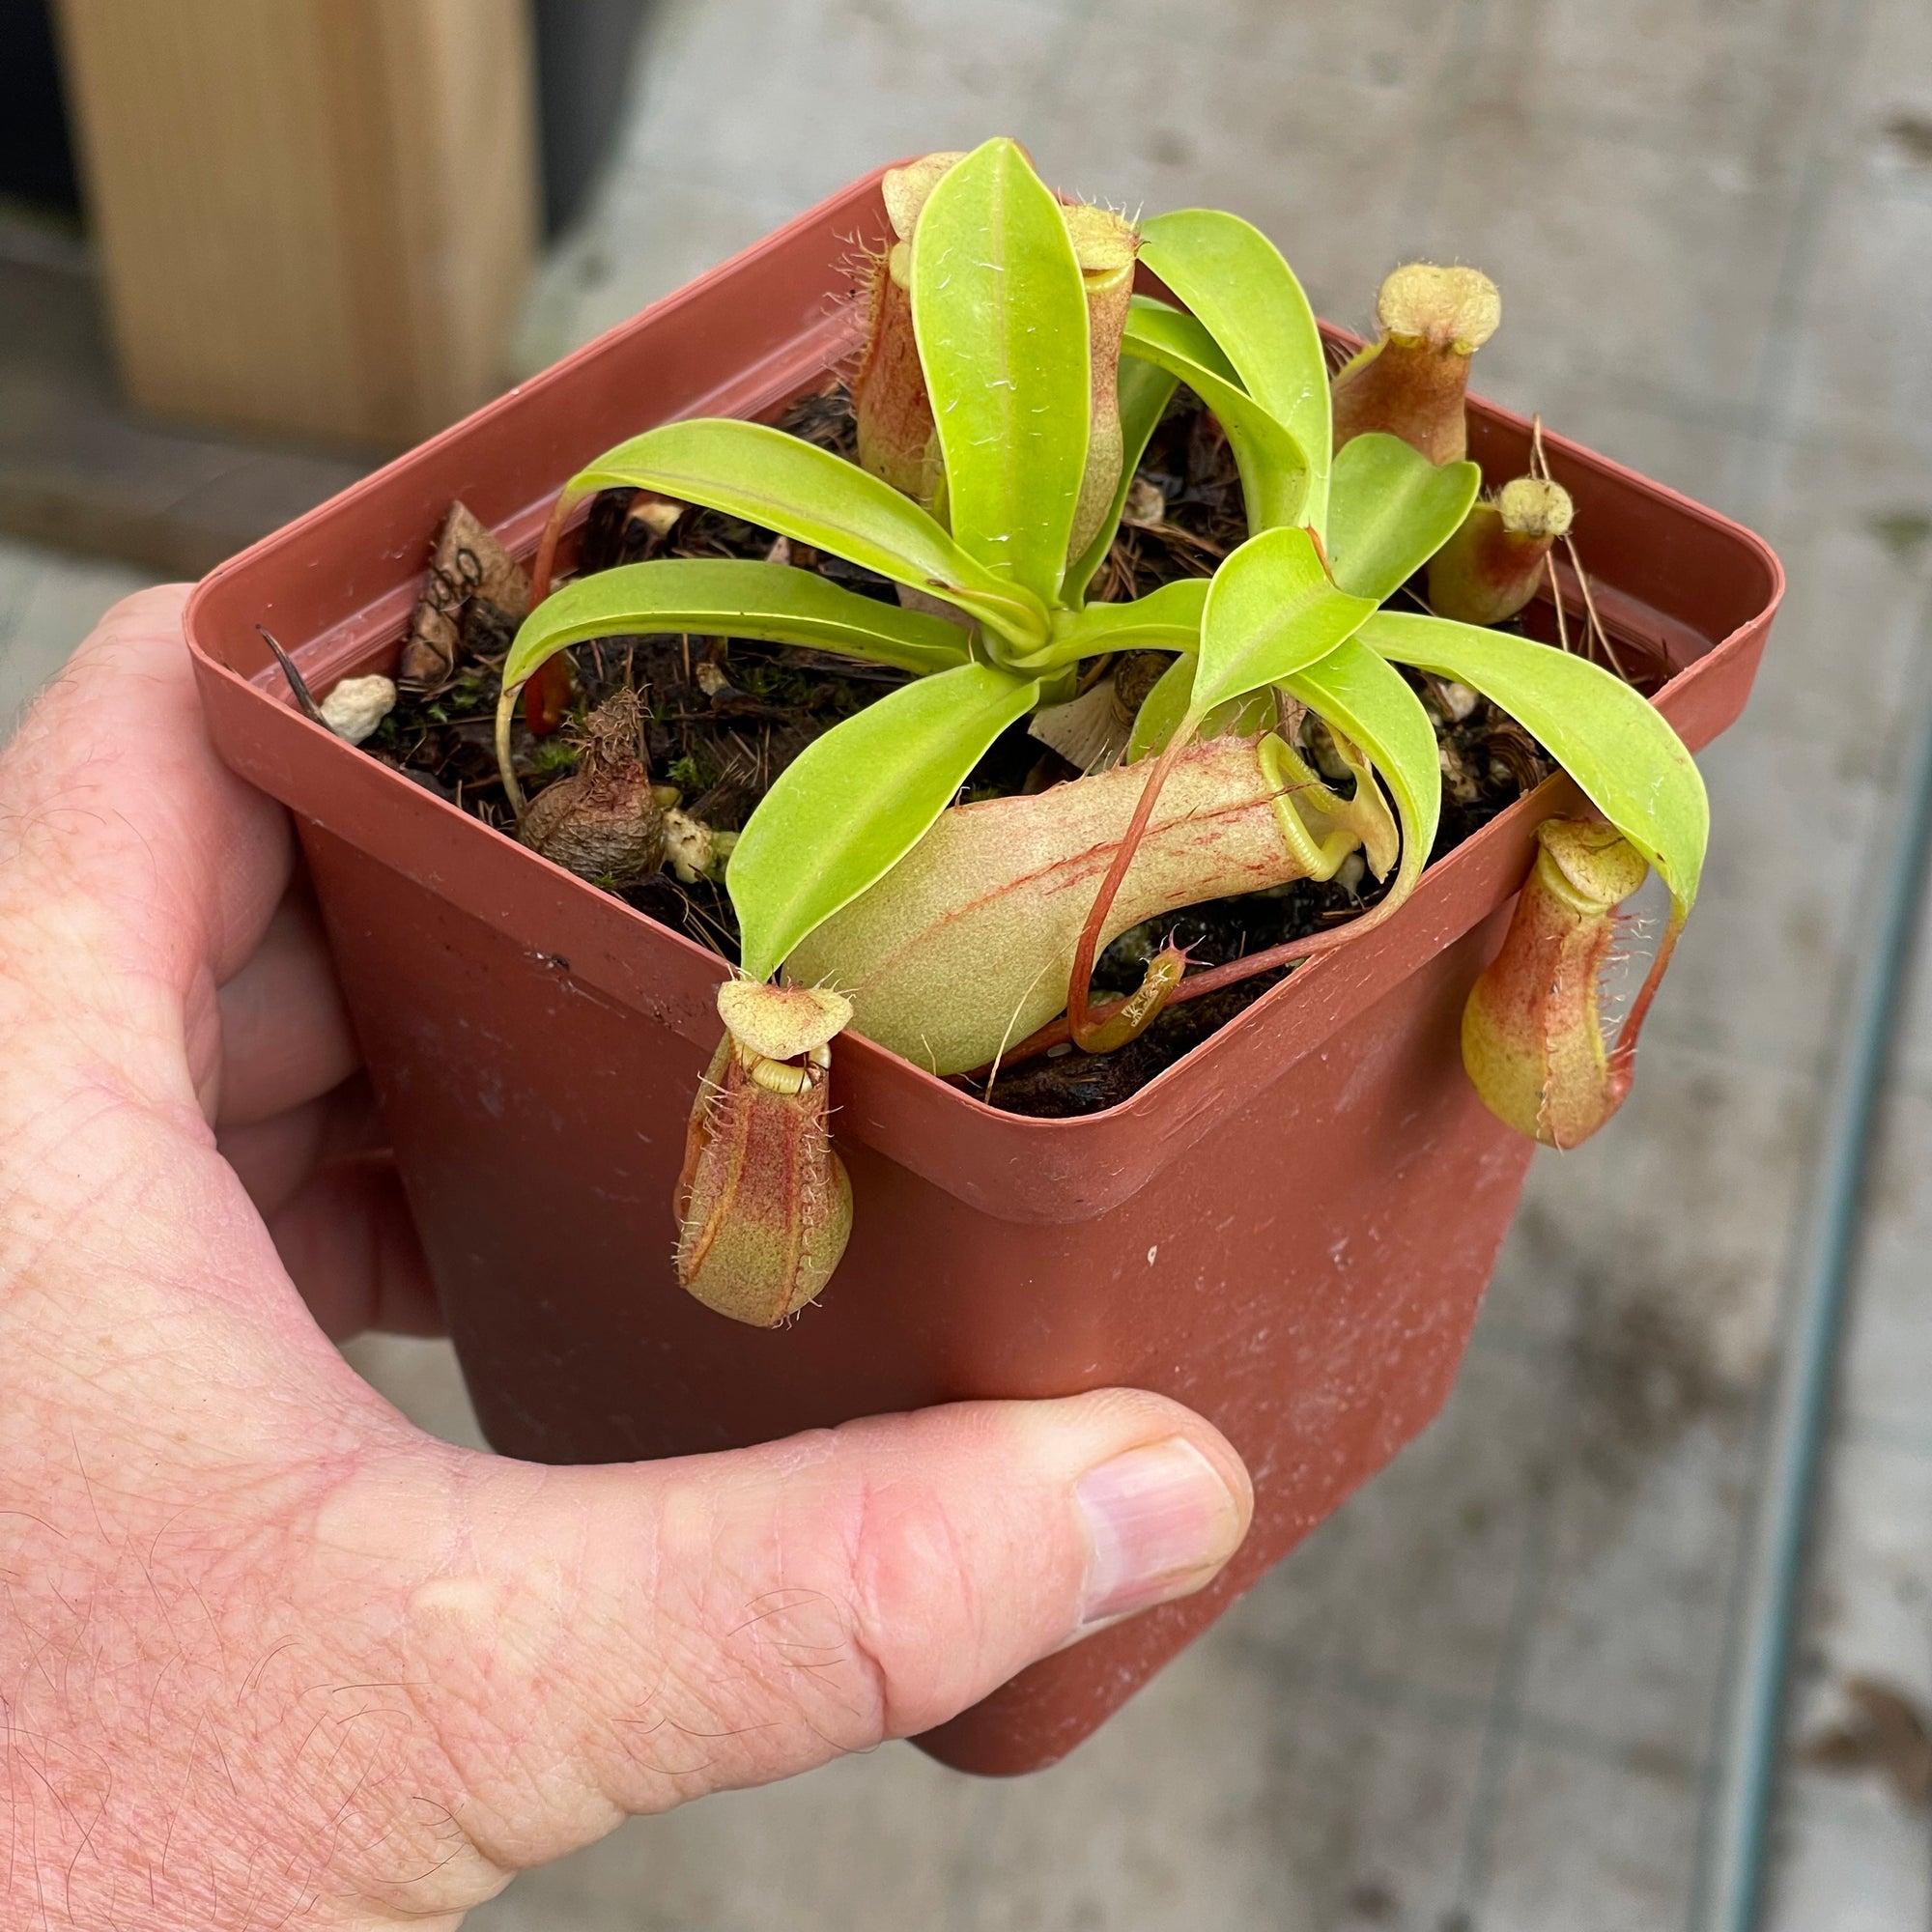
(618, 1639)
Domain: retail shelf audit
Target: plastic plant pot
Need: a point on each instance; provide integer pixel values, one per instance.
(535, 1043)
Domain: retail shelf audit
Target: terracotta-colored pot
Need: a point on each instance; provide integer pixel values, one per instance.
(1289, 1231)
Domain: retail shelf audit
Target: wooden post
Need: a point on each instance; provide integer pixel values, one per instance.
(316, 216)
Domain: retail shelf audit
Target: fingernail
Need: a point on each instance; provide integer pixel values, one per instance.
(1162, 1522)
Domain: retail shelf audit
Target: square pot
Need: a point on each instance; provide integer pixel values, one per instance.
(1289, 1231)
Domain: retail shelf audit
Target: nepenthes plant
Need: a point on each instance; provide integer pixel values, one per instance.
(1009, 381)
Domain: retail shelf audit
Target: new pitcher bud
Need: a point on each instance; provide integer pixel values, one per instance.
(1411, 382)
(1487, 571)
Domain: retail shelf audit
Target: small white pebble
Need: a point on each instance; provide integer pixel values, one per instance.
(655, 513)
(357, 706)
(690, 846)
(1459, 699)
(1146, 505)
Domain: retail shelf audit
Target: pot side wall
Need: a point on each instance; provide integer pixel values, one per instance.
(1305, 1274)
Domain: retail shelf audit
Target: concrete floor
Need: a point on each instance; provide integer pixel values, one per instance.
(1485, 1697)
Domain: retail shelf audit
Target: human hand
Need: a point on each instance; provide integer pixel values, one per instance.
(269, 1655)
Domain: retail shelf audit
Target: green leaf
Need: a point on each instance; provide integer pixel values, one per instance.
(781, 483)
(1391, 510)
(1272, 609)
(1000, 311)
(855, 801)
(1353, 689)
(1174, 332)
(1274, 469)
(1163, 710)
(1144, 392)
(733, 598)
(1158, 328)
(1235, 280)
(1167, 619)
(1613, 742)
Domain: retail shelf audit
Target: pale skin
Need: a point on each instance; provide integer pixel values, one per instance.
(269, 1656)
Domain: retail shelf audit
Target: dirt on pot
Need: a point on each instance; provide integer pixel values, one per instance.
(720, 718)
(1885, 1731)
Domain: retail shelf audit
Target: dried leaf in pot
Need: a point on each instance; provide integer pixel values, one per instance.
(476, 589)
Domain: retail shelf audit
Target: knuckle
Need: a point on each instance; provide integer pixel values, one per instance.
(848, 1614)
(777, 1635)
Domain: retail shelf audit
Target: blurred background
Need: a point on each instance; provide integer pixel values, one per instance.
(245, 251)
